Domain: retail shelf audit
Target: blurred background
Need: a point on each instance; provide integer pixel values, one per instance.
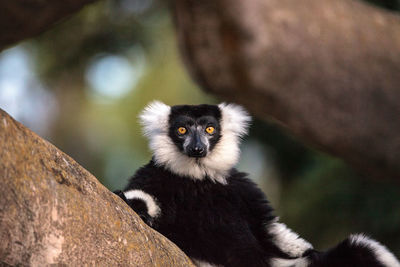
(82, 84)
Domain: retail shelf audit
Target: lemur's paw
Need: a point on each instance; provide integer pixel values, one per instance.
(120, 194)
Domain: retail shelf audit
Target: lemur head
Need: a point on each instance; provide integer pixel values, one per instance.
(195, 141)
(195, 130)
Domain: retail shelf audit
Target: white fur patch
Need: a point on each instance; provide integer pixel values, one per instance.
(152, 207)
(235, 119)
(216, 165)
(199, 263)
(288, 241)
(300, 262)
(383, 255)
(154, 119)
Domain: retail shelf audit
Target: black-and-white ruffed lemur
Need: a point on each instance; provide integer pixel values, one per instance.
(191, 193)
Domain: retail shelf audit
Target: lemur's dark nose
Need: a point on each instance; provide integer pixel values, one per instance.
(197, 150)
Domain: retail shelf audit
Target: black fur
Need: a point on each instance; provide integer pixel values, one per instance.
(225, 224)
(345, 255)
(212, 222)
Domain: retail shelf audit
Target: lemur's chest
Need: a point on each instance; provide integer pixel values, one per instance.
(200, 216)
(194, 205)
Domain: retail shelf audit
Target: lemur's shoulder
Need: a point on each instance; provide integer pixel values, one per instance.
(238, 178)
(251, 194)
(240, 182)
(147, 175)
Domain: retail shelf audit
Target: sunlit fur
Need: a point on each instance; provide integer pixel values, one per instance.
(216, 165)
(151, 204)
(299, 262)
(287, 240)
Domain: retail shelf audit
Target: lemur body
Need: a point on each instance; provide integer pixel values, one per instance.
(191, 193)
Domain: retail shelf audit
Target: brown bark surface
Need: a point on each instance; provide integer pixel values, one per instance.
(22, 19)
(52, 211)
(328, 71)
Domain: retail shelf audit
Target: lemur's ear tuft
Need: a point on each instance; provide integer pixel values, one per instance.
(154, 118)
(235, 119)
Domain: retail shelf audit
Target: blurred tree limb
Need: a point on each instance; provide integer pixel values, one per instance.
(328, 71)
(52, 211)
(22, 19)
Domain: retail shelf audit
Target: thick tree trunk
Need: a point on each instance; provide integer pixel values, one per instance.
(329, 71)
(22, 19)
(52, 211)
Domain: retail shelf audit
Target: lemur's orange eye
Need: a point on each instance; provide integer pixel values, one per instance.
(181, 130)
(210, 130)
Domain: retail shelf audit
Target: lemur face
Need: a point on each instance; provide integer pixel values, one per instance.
(195, 141)
(195, 130)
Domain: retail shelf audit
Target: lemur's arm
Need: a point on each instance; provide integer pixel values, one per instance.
(142, 203)
(356, 250)
(267, 226)
(121, 195)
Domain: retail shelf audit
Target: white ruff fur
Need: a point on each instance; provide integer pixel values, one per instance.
(288, 241)
(152, 208)
(216, 165)
(384, 256)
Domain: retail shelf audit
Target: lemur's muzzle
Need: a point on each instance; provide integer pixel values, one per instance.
(196, 148)
(197, 152)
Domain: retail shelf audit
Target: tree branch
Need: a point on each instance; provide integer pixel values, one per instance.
(22, 19)
(54, 211)
(328, 71)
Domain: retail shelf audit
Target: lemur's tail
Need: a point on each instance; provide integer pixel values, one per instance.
(356, 250)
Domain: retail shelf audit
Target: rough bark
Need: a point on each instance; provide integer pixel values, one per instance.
(328, 71)
(52, 211)
(22, 19)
